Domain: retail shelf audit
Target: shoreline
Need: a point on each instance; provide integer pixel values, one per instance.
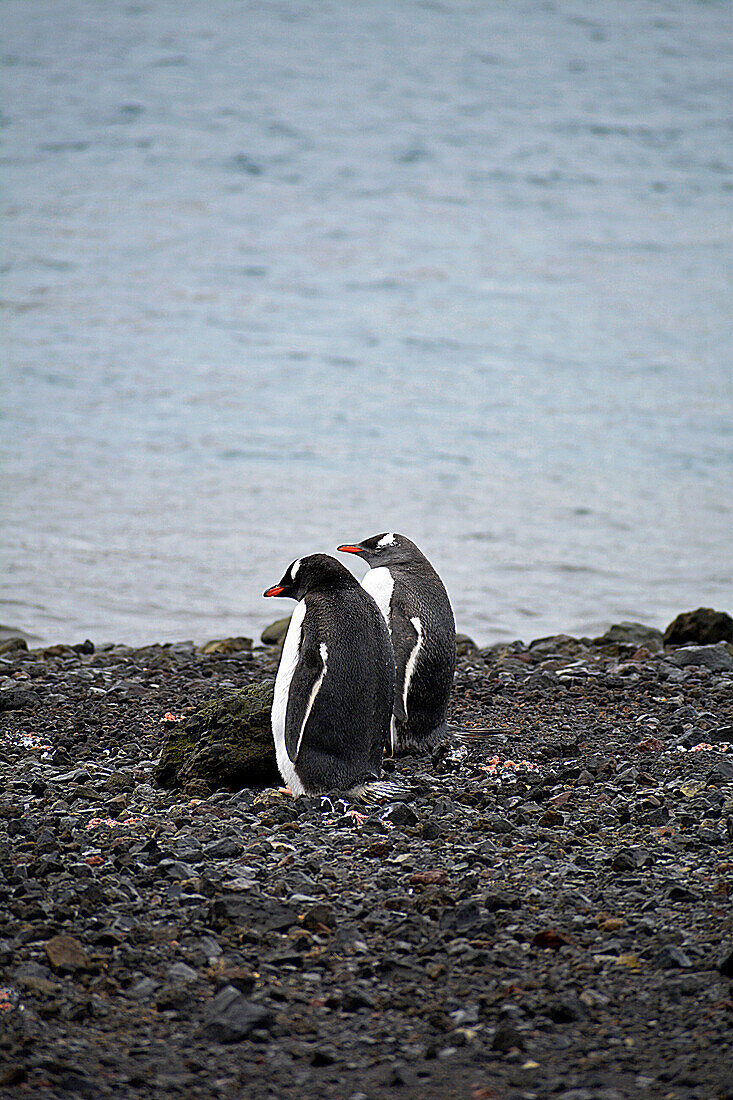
(550, 915)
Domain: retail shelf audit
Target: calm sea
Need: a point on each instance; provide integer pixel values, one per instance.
(278, 275)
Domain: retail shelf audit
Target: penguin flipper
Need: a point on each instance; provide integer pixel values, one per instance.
(304, 687)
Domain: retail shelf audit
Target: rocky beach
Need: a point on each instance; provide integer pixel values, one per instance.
(546, 913)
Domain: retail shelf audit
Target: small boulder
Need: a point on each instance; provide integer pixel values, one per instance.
(725, 965)
(701, 627)
(671, 957)
(226, 744)
(65, 953)
(230, 1017)
(275, 632)
(632, 634)
(557, 645)
(721, 773)
(227, 645)
(18, 698)
(715, 657)
(465, 646)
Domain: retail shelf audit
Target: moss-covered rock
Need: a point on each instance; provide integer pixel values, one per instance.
(465, 646)
(226, 744)
(274, 634)
(227, 645)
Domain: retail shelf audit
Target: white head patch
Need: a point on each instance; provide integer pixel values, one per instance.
(294, 569)
(387, 540)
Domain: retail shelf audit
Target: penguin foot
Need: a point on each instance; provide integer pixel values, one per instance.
(285, 790)
(358, 818)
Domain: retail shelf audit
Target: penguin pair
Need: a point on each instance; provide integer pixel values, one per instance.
(364, 668)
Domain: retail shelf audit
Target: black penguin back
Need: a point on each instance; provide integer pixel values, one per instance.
(349, 721)
(424, 641)
(334, 690)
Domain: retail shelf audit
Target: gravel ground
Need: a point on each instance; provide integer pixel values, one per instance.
(549, 914)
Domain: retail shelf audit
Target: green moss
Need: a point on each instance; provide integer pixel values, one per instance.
(226, 744)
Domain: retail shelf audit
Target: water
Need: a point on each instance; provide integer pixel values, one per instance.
(280, 275)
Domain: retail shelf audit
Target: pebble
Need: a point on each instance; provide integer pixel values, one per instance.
(231, 1017)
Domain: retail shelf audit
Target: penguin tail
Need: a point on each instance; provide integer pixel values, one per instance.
(476, 735)
(375, 791)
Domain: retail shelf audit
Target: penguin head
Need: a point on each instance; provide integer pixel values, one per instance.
(389, 548)
(317, 571)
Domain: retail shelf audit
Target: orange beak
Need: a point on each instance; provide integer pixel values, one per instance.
(274, 591)
(350, 549)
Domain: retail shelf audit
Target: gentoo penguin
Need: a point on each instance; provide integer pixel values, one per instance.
(334, 689)
(416, 608)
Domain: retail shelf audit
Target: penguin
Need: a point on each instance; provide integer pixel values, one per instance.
(334, 689)
(416, 608)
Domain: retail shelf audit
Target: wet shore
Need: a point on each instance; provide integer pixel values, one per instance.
(548, 914)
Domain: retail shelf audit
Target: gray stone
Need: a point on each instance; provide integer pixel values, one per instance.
(230, 1017)
(715, 657)
(400, 814)
(226, 847)
(18, 698)
(631, 859)
(252, 910)
(721, 772)
(143, 989)
(180, 972)
(671, 957)
(632, 634)
(725, 965)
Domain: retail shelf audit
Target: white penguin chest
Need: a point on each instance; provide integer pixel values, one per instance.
(379, 583)
(286, 669)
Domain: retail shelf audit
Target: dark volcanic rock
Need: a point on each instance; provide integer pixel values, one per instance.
(701, 627)
(225, 744)
(631, 859)
(506, 1038)
(252, 910)
(725, 966)
(671, 957)
(721, 772)
(399, 813)
(18, 698)
(468, 918)
(231, 1017)
(631, 634)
